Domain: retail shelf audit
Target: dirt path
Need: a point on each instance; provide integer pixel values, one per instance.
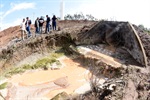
(39, 84)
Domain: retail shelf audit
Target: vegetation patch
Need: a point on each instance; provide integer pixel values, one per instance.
(3, 85)
(15, 71)
(56, 55)
(41, 63)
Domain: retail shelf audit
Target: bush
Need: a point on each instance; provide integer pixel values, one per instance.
(41, 63)
(3, 85)
(27, 66)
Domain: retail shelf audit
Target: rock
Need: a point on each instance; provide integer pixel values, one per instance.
(83, 89)
(62, 82)
(59, 28)
(61, 96)
(55, 66)
(130, 91)
(53, 41)
(124, 66)
(112, 87)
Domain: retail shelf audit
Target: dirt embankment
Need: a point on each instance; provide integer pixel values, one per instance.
(11, 33)
(15, 52)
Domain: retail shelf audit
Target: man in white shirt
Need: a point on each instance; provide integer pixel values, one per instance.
(23, 29)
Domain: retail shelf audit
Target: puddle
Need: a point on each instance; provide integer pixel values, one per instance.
(49, 83)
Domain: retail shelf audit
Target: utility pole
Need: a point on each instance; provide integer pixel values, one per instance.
(33, 16)
(62, 10)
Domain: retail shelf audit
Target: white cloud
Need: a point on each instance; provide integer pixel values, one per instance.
(1, 13)
(14, 23)
(1, 5)
(21, 6)
(14, 7)
(134, 11)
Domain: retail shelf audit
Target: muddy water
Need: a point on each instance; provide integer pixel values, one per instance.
(42, 83)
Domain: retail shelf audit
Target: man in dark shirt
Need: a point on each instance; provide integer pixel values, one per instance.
(47, 30)
(54, 22)
(41, 22)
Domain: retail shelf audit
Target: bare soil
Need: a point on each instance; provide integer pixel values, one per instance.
(39, 84)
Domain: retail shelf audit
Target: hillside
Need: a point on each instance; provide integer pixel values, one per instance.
(10, 33)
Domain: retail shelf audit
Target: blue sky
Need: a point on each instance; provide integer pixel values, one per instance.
(135, 11)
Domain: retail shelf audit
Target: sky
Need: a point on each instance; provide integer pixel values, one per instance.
(135, 11)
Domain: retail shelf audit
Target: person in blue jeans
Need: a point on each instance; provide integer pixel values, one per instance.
(36, 25)
(28, 23)
(54, 22)
(47, 30)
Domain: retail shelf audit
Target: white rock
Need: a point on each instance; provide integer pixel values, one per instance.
(83, 89)
(112, 87)
(54, 66)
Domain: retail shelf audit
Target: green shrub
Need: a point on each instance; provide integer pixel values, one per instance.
(27, 66)
(56, 55)
(41, 63)
(16, 70)
(3, 85)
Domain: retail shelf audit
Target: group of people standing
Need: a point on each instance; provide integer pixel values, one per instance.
(25, 25)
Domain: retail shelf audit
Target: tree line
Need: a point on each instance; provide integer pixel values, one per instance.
(144, 28)
(80, 16)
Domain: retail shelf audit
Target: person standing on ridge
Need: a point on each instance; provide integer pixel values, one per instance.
(23, 29)
(41, 22)
(36, 25)
(54, 22)
(28, 23)
(47, 30)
